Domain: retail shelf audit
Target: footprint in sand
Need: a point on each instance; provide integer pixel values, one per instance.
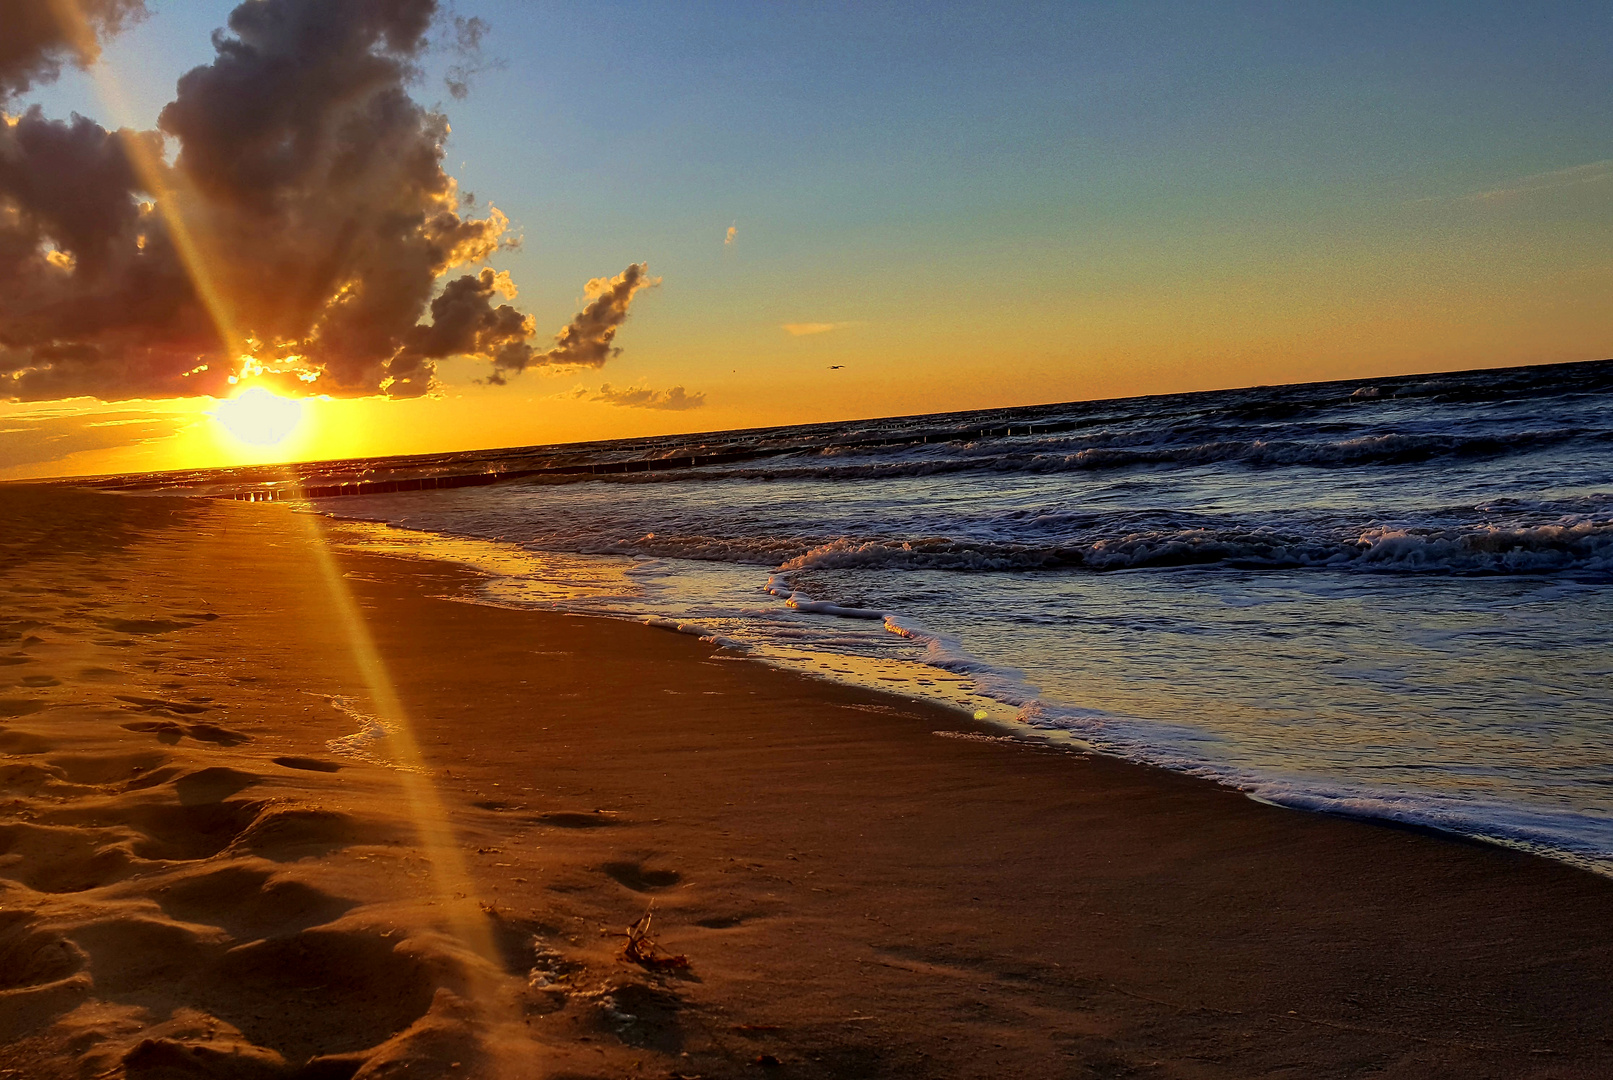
(151, 704)
(33, 957)
(247, 902)
(58, 860)
(308, 764)
(170, 732)
(195, 816)
(639, 878)
(19, 630)
(166, 831)
(146, 626)
(722, 922)
(128, 953)
(571, 819)
(212, 733)
(296, 994)
(289, 833)
(28, 778)
(23, 743)
(106, 770)
(167, 731)
(213, 785)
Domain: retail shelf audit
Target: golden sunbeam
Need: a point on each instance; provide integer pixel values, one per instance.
(263, 419)
(453, 884)
(160, 181)
(453, 889)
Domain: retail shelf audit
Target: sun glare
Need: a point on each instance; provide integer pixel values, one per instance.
(258, 417)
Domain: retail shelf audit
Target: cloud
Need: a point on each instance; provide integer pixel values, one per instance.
(32, 440)
(464, 322)
(586, 341)
(36, 43)
(1592, 173)
(806, 329)
(469, 59)
(728, 237)
(292, 208)
(675, 399)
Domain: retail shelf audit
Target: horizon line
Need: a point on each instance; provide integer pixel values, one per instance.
(92, 477)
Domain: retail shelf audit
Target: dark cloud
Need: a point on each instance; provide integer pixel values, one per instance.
(34, 440)
(34, 43)
(93, 299)
(469, 60)
(464, 322)
(587, 340)
(675, 399)
(305, 220)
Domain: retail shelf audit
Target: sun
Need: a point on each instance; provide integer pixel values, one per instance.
(259, 418)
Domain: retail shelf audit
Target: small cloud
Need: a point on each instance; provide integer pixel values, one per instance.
(728, 237)
(1595, 172)
(32, 440)
(502, 333)
(466, 48)
(806, 329)
(675, 399)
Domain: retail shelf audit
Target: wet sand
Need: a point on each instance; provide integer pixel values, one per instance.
(213, 863)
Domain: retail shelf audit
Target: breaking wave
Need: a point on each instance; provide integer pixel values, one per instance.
(1584, 547)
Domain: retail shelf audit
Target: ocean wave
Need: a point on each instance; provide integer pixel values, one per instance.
(779, 586)
(1585, 546)
(754, 550)
(1107, 451)
(1499, 536)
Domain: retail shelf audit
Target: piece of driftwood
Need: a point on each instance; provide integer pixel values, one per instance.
(641, 949)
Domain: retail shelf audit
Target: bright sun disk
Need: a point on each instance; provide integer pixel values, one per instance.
(259, 417)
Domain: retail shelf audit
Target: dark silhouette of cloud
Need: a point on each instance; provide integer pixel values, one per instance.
(34, 43)
(469, 61)
(465, 322)
(586, 341)
(304, 223)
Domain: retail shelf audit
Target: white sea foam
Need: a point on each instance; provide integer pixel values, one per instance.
(368, 742)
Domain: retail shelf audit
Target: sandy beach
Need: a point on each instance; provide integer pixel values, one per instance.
(274, 810)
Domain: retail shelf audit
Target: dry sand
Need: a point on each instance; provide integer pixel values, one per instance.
(194, 882)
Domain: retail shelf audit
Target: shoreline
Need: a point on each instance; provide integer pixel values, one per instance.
(854, 895)
(931, 685)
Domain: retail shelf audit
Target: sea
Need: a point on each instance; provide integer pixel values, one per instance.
(1386, 598)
